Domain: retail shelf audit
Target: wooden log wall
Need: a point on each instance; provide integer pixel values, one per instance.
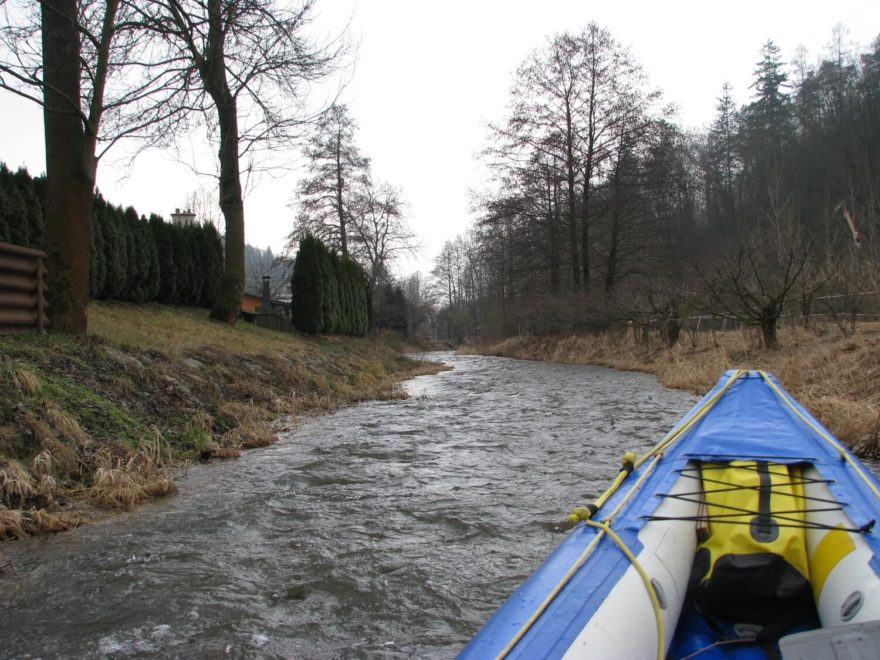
(22, 290)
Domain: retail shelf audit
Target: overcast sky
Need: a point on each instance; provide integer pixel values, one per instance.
(430, 75)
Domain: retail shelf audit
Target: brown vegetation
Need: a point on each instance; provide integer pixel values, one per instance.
(836, 377)
(104, 421)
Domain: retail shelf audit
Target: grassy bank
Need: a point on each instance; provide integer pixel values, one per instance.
(837, 378)
(103, 422)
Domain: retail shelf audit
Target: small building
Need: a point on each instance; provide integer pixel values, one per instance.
(186, 217)
(250, 302)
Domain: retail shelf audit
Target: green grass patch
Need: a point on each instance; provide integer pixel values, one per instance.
(101, 418)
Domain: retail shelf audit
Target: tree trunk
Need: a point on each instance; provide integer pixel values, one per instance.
(769, 318)
(553, 234)
(570, 212)
(68, 184)
(671, 324)
(585, 220)
(614, 239)
(340, 209)
(228, 303)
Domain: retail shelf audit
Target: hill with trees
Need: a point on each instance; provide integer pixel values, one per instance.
(603, 211)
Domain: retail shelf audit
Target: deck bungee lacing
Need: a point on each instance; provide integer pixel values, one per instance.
(844, 454)
(585, 513)
(791, 518)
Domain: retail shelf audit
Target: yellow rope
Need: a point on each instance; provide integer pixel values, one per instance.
(584, 513)
(578, 562)
(646, 580)
(821, 433)
(553, 593)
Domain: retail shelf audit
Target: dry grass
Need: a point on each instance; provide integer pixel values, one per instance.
(16, 483)
(123, 478)
(65, 424)
(65, 460)
(214, 450)
(11, 525)
(25, 381)
(39, 521)
(836, 378)
(177, 331)
(18, 524)
(150, 373)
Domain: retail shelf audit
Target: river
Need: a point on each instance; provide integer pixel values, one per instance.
(389, 529)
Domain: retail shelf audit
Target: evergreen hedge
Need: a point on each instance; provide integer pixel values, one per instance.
(329, 291)
(132, 258)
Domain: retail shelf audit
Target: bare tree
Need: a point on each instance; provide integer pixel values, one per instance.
(262, 263)
(380, 231)
(203, 203)
(421, 305)
(754, 284)
(248, 64)
(336, 170)
(98, 82)
(577, 102)
(546, 94)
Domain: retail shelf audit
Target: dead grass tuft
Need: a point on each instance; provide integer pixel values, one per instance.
(250, 438)
(201, 419)
(252, 390)
(47, 487)
(43, 463)
(238, 413)
(37, 428)
(11, 524)
(160, 487)
(116, 488)
(40, 521)
(25, 381)
(65, 424)
(66, 461)
(16, 484)
(123, 479)
(213, 450)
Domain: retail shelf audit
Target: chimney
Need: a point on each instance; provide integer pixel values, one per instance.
(266, 303)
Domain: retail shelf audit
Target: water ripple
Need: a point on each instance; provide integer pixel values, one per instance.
(390, 529)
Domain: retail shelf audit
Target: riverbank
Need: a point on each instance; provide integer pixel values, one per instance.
(837, 378)
(97, 423)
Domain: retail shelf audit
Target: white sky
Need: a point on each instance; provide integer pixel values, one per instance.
(430, 75)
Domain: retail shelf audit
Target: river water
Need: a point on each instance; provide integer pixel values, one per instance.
(389, 529)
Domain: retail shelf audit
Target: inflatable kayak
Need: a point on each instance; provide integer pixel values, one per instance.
(747, 532)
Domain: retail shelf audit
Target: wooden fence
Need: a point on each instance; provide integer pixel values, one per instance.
(273, 321)
(22, 290)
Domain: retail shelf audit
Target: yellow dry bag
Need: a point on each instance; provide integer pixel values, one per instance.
(752, 567)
